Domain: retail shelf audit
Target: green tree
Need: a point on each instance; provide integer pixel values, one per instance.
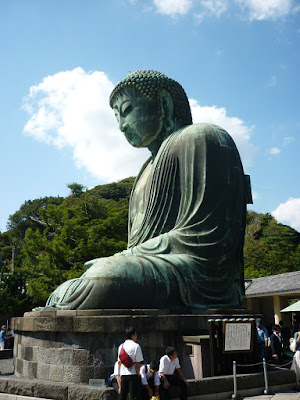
(270, 248)
(82, 227)
(76, 188)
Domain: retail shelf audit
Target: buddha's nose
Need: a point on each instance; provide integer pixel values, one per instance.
(123, 126)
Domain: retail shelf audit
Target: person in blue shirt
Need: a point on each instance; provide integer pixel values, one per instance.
(2, 337)
(262, 338)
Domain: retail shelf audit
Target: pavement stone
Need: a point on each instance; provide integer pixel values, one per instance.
(276, 396)
(6, 366)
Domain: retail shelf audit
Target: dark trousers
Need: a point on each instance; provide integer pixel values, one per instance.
(129, 384)
(174, 380)
(144, 391)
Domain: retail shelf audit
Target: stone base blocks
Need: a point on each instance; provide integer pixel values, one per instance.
(75, 346)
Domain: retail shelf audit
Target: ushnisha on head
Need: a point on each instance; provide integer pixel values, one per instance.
(150, 84)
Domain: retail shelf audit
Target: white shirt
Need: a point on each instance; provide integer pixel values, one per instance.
(134, 351)
(168, 366)
(147, 375)
(277, 336)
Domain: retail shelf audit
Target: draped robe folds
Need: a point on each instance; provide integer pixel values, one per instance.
(187, 218)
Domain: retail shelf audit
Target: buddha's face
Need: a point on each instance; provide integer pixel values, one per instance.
(139, 119)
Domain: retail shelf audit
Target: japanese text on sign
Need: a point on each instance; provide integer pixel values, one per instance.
(237, 336)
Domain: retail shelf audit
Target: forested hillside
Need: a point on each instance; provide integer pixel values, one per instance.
(270, 248)
(50, 239)
(53, 237)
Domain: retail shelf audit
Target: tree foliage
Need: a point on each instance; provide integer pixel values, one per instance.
(270, 248)
(53, 237)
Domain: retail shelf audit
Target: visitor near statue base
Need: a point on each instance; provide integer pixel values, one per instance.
(130, 365)
(187, 211)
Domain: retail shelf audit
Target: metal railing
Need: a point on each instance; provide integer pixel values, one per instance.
(265, 371)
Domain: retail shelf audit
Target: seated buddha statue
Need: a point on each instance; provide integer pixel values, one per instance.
(187, 211)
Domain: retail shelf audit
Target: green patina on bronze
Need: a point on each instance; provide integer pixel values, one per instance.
(187, 211)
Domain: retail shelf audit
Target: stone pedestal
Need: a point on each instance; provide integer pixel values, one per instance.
(75, 346)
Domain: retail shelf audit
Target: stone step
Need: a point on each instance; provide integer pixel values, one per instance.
(5, 396)
(215, 388)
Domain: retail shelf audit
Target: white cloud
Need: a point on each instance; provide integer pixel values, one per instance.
(235, 127)
(289, 213)
(211, 8)
(215, 7)
(254, 9)
(255, 195)
(274, 151)
(267, 9)
(173, 7)
(288, 140)
(70, 109)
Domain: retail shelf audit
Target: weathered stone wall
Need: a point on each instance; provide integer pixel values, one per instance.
(75, 346)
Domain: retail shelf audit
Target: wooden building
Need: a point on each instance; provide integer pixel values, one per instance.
(269, 295)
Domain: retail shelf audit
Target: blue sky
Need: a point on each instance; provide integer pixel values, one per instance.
(237, 60)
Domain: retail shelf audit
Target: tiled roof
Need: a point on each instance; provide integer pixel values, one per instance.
(274, 284)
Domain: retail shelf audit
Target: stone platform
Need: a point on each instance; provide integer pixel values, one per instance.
(76, 346)
(216, 388)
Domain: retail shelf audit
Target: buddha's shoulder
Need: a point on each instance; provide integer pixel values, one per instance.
(204, 132)
(203, 129)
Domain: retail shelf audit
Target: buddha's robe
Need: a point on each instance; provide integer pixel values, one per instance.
(187, 218)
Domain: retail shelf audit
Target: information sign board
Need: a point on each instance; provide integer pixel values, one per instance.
(238, 336)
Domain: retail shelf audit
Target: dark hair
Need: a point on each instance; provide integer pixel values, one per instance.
(170, 350)
(276, 328)
(149, 83)
(154, 365)
(130, 332)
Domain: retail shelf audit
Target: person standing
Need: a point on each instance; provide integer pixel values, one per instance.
(276, 345)
(171, 374)
(130, 357)
(262, 338)
(9, 341)
(285, 335)
(150, 380)
(2, 337)
(296, 360)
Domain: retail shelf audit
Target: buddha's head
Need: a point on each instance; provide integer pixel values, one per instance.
(149, 106)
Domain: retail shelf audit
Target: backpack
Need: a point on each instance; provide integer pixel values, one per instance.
(125, 359)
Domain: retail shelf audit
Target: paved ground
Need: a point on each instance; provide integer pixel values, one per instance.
(6, 366)
(277, 396)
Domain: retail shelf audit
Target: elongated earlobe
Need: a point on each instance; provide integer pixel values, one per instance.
(167, 110)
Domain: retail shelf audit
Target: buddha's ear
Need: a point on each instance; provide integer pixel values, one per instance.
(167, 108)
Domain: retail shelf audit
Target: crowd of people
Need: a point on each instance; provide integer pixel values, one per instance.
(6, 338)
(144, 381)
(274, 346)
